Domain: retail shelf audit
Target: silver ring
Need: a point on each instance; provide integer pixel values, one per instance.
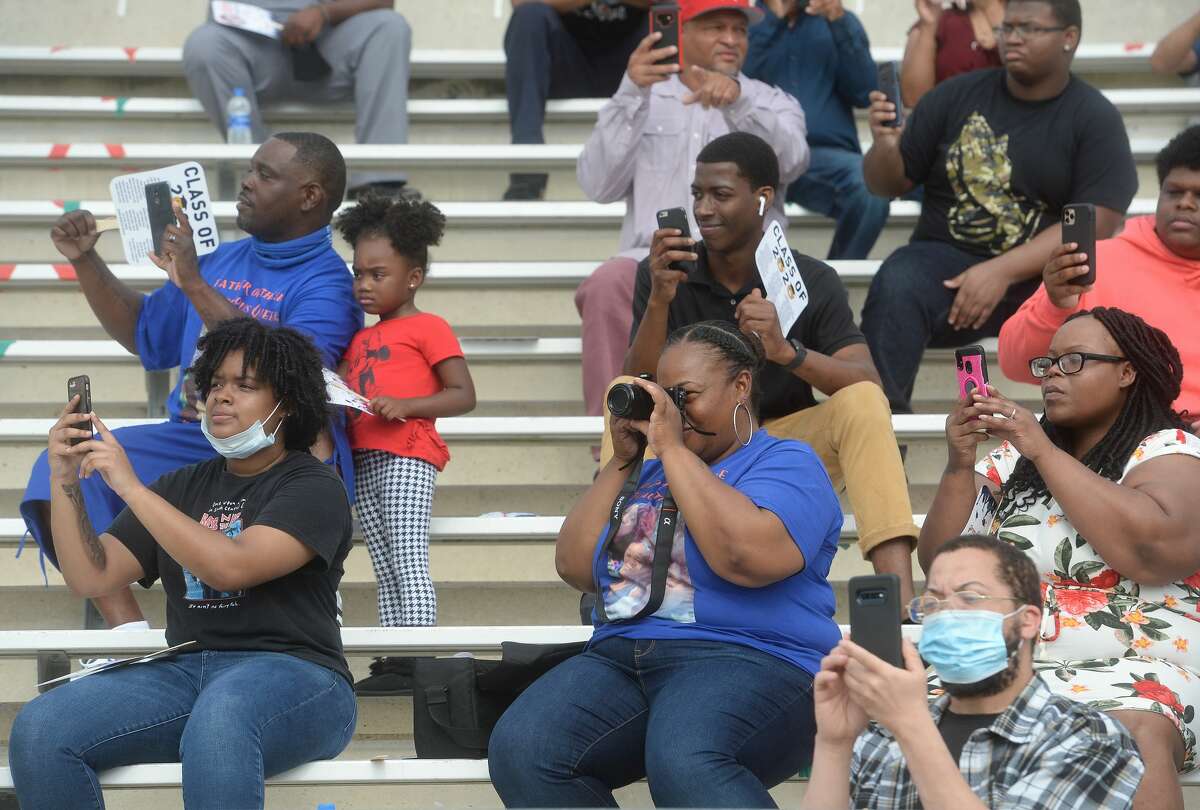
(1013, 415)
(171, 237)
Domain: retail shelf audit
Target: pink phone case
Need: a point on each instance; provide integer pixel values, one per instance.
(971, 365)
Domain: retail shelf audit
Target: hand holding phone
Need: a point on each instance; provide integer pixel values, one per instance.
(889, 85)
(970, 364)
(1079, 226)
(80, 386)
(875, 616)
(664, 19)
(677, 218)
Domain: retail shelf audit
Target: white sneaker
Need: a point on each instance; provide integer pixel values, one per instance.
(88, 664)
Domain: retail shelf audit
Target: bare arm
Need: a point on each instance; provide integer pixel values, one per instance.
(576, 543)
(91, 565)
(642, 357)
(883, 165)
(183, 268)
(342, 10)
(456, 397)
(918, 71)
(1174, 52)
(830, 373)
(115, 303)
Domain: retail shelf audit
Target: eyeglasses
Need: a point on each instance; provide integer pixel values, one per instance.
(924, 606)
(1024, 30)
(1069, 363)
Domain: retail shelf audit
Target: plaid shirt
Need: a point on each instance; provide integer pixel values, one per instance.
(1044, 751)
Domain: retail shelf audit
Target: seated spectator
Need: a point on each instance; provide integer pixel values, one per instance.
(563, 49)
(851, 431)
(1110, 462)
(411, 368)
(705, 690)
(949, 38)
(998, 736)
(644, 148)
(249, 548)
(1179, 51)
(821, 56)
(1000, 152)
(362, 45)
(1151, 269)
(287, 273)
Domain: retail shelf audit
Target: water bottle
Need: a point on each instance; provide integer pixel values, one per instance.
(237, 116)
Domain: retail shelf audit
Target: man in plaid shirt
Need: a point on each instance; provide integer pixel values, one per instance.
(998, 738)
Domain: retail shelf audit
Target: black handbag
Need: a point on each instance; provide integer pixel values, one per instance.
(457, 701)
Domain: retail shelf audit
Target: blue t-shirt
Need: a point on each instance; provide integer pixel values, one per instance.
(302, 283)
(826, 65)
(791, 619)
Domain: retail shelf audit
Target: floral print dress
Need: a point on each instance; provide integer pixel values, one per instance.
(1109, 641)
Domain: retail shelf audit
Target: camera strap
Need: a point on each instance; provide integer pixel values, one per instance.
(663, 539)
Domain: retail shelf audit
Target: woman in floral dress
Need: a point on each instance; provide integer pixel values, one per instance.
(1103, 493)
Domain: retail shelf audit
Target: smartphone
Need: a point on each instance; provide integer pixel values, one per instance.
(1079, 225)
(677, 218)
(81, 386)
(159, 211)
(664, 18)
(970, 363)
(875, 616)
(889, 85)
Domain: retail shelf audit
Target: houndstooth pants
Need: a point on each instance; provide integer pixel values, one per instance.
(395, 498)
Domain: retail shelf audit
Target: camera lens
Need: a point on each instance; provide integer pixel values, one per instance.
(628, 401)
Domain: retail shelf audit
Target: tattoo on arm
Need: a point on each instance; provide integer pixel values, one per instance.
(91, 542)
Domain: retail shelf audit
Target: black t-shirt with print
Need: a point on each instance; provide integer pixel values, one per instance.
(294, 614)
(998, 170)
(600, 25)
(825, 325)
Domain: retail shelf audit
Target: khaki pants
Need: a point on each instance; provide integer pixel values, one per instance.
(851, 432)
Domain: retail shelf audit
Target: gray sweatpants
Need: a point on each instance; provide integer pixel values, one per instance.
(369, 55)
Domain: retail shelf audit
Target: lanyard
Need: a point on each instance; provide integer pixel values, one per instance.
(663, 540)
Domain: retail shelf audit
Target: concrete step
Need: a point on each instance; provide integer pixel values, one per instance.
(478, 231)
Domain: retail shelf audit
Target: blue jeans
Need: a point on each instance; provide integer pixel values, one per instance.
(834, 186)
(231, 718)
(708, 724)
(907, 309)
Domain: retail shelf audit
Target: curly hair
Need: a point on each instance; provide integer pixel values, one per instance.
(282, 358)
(1015, 568)
(1147, 408)
(1183, 151)
(411, 226)
(738, 351)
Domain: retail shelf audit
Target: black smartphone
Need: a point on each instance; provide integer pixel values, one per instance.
(664, 18)
(970, 364)
(1079, 226)
(889, 85)
(677, 218)
(81, 386)
(875, 616)
(159, 211)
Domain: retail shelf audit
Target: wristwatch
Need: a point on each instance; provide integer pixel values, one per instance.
(798, 360)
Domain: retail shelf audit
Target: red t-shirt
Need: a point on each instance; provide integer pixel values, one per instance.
(395, 358)
(957, 49)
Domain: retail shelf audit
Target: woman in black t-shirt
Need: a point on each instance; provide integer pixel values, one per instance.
(249, 547)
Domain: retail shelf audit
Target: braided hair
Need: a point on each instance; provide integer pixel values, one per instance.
(282, 358)
(1147, 407)
(411, 226)
(734, 348)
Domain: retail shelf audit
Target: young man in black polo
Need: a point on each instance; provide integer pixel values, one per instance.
(735, 182)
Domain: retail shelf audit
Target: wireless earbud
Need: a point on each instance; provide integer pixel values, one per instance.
(762, 204)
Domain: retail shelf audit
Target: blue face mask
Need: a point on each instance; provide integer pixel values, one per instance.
(965, 646)
(244, 444)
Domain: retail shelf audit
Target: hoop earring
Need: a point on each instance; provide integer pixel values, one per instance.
(749, 416)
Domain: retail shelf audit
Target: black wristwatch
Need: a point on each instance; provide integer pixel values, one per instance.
(798, 360)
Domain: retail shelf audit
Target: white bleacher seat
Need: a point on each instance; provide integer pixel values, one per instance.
(50, 60)
(470, 156)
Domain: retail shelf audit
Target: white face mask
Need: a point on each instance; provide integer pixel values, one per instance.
(246, 443)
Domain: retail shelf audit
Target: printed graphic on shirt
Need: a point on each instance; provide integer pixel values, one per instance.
(360, 375)
(224, 517)
(601, 11)
(987, 213)
(630, 563)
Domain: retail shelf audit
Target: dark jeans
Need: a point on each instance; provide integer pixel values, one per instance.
(907, 309)
(834, 186)
(544, 61)
(231, 718)
(708, 724)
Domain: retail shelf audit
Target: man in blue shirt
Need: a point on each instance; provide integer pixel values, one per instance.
(286, 273)
(820, 55)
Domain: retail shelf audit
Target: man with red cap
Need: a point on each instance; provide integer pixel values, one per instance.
(643, 151)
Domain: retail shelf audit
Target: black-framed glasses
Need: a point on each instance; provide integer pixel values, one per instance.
(923, 606)
(1024, 30)
(1069, 363)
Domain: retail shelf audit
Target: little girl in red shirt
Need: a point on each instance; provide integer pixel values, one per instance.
(411, 367)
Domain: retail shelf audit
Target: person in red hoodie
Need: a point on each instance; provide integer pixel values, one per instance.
(1151, 269)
